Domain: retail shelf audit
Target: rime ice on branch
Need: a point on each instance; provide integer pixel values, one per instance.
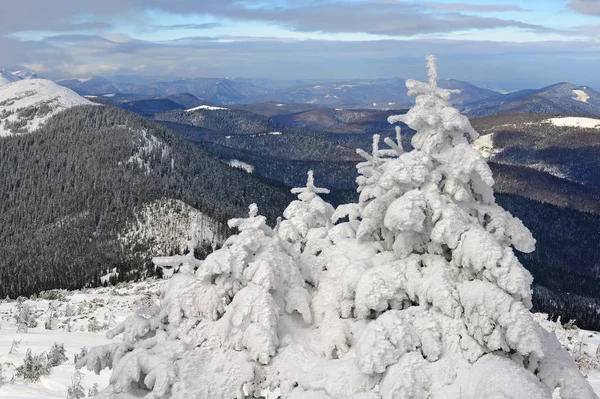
(413, 292)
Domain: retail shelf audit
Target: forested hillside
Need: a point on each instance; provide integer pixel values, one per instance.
(69, 188)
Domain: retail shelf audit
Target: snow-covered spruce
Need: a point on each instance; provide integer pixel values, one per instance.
(416, 294)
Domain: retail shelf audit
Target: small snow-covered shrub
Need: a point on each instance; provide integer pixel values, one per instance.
(574, 341)
(14, 347)
(33, 367)
(93, 391)
(94, 325)
(75, 390)
(413, 292)
(2, 377)
(57, 355)
(82, 353)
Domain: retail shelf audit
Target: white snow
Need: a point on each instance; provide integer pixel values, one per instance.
(110, 95)
(275, 133)
(550, 169)
(205, 107)
(574, 121)
(74, 312)
(581, 95)
(236, 163)
(485, 145)
(280, 105)
(29, 93)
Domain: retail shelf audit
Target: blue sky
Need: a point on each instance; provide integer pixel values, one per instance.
(506, 44)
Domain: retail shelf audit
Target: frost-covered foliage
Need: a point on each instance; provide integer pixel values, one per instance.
(75, 390)
(33, 367)
(413, 292)
(57, 355)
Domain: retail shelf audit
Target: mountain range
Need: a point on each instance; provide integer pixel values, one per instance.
(381, 94)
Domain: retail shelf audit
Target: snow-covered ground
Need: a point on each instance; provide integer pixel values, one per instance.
(581, 95)
(74, 313)
(573, 121)
(111, 305)
(205, 107)
(30, 103)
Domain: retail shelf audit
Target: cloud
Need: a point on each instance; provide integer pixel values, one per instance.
(475, 7)
(381, 18)
(396, 18)
(85, 55)
(210, 25)
(589, 7)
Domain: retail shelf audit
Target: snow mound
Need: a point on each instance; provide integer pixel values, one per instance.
(581, 95)
(25, 105)
(574, 121)
(205, 107)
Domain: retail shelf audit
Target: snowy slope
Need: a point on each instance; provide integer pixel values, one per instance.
(170, 225)
(7, 77)
(26, 104)
(74, 312)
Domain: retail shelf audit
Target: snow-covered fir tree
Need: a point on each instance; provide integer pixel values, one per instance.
(413, 292)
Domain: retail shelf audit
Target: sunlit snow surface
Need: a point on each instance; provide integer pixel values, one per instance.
(573, 121)
(99, 303)
(205, 107)
(581, 95)
(45, 95)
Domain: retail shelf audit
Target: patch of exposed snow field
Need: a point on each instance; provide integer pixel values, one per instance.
(574, 121)
(485, 144)
(581, 95)
(205, 107)
(32, 102)
(236, 163)
(169, 224)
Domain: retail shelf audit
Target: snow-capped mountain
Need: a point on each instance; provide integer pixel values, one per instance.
(27, 104)
(7, 77)
(25, 74)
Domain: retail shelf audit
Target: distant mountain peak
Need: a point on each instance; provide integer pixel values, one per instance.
(7, 77)
(28, 104)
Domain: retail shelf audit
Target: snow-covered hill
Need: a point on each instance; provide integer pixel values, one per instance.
(170, 225)
(27, 104)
